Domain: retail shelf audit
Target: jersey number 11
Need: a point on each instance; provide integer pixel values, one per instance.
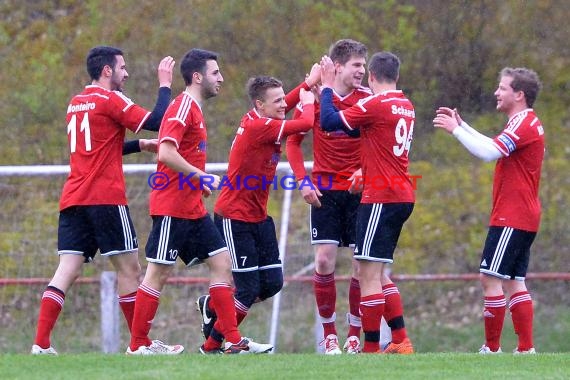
(72, 132)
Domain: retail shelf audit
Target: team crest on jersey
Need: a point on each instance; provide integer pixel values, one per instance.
(202, 146)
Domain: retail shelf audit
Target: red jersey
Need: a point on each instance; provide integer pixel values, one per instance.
(336, 155)
(96, 122)
(386, 123)
(253, 160)
(517, 174)
(184, 125)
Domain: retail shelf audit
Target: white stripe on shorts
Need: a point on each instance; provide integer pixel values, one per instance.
(163, 238)
(500, 250)
(127, 234)
(371, 229)
(227, 227)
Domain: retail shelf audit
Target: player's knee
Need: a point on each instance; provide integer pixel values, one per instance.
(220, 267)
(324, 266)
(127, 266)
(134, 270)
(355, 269)
(325, 260)
(74, 274)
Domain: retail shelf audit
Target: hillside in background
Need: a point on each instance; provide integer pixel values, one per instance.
(451, 54)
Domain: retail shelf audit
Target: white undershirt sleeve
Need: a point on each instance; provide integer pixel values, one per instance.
(476, 143)
(474, 132)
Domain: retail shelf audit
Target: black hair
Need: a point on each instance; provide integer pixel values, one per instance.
(99, 57)
(195, 61)
(385, 67)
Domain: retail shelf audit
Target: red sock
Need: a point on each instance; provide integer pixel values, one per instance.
(325, 295)
(394, 312)
(354, 323)
(222, 296)
(494, 316)
(50, 307)
(127, 304)
(522, 313)
(241, 311)
(372, 308)
(146, 305)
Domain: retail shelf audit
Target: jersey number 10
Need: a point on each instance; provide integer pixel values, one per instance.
(72, 132)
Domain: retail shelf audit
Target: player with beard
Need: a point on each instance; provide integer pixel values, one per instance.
(182, 227)
(94, 214)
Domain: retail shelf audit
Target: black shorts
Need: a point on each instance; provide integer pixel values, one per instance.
(252, 246)
(506, 253)
(335, 221)
(83, 230)
(193, 240)
(378, 229)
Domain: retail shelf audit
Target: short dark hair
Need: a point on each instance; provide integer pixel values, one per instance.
(257, 87)
(525, 80)
(194, 61)
(99, 57)
(385, 67)
(343, 50)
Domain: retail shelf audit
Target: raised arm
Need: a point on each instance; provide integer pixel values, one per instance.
(309, 191)
(307, 118)
(295, 152)
(165, 69)
(292, 98)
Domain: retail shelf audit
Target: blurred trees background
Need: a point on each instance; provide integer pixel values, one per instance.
(451, 52)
